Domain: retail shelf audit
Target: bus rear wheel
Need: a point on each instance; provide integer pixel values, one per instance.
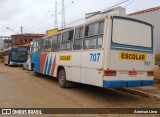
(62, 78)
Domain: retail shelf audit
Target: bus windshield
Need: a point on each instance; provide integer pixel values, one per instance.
(19, 55)
(129, 32)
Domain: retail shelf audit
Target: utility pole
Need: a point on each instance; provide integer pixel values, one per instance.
(63, 16)
(56, 19)
(21, 30)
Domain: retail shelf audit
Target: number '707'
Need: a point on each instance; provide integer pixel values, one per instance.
(94, 57)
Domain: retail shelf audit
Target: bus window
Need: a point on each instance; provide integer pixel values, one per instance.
(54, 39)
(78, 39)
(41, 42)
(70, 35)
(14, 55)
(65, 36)
(77, 33)
(77, 44)
(41, 45)
(90, 43)
(94, 35)
(81, 32)
(18, 55)
(99, 42)
(101, 27)
(67, 39)
(55, 43)
(22, 55)
(48, 42)
(59, 38)
(34, 47)
(86, 30)
(93, 29)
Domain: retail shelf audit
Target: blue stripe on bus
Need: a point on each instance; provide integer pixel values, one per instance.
(134, 83)
(121, 83)
(148, 83)
(130, 47)
(37, 68)
(113, 84)
(49, 68)
(46, 66)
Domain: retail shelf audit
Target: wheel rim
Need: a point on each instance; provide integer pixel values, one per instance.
(61, 78)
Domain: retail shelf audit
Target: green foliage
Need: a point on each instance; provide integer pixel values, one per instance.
(157, 57)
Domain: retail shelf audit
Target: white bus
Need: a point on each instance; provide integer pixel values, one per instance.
(116, 51)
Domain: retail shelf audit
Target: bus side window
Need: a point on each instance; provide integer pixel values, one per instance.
(55, 43)
(101, 27)
(67, 40)
(34, 47)
(94, 39)
(48, 42)
(59, 38)
(78, 38)
(38, 46)
(41, 45)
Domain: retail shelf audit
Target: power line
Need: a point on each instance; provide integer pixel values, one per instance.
(129, 3)
(54, 14)
(87, 10)
(116, 5)
(104, 10)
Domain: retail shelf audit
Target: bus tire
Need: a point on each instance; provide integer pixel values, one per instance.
(62, 78)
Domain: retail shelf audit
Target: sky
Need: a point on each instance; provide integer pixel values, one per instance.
(37, 16)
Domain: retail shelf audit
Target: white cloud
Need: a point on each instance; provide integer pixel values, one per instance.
(36, 16)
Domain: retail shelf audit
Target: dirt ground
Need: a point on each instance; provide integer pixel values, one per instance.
(157, 73)
(21, 89)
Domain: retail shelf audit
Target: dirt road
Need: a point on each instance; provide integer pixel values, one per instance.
(21, 89)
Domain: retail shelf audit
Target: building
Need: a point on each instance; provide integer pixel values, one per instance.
(5, 42)
(21, 39)
(151, 15)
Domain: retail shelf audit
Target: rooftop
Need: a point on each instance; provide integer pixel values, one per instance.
(31, 35)
(146, 10)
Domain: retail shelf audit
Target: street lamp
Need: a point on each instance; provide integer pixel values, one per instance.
(11, 30)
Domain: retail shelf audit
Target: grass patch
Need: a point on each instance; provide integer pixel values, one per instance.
(157, 58)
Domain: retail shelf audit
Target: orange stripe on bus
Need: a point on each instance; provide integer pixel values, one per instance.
(53, 66)
(42, 62)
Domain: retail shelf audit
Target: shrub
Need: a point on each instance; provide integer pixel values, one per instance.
(157, 58)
